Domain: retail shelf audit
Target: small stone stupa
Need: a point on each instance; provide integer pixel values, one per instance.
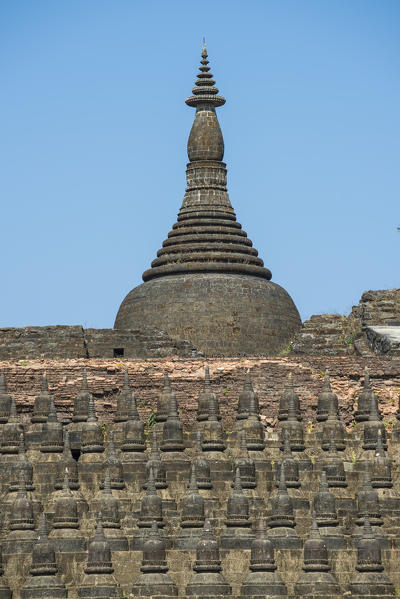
(207, 284)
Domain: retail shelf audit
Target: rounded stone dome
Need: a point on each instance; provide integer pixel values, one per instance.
(221, 314)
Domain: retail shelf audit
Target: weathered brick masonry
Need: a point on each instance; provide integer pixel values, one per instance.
(269, 376)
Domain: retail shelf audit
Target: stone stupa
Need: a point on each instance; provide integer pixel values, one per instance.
(207, 284)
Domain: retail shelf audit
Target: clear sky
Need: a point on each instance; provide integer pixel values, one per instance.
(94, 131)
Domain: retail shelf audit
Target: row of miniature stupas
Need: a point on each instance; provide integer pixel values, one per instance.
(50, 464)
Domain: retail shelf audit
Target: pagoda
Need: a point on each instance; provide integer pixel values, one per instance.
(208, 284)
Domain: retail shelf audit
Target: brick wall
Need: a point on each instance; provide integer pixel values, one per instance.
(269, 377)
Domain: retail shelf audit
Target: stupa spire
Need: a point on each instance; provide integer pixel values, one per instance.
(206, 237)
(208, 260)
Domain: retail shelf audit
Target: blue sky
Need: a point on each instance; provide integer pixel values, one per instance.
(94, 131)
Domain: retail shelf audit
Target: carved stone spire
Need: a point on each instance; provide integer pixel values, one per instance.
(154, 466)
(370, 579)
(92, 435)
(364, 399)
(333, 425)
(164, 400)
(81, 401)
(245, 396)
(316, 580)
(293, 428)
(253, 426)
(263, 579)
(237, 509)
(65, 507)
(201, 464)
(325, 504)
(282, 513)
(209, 246)
(113, 465)
(44, 581)
(245, 465)
(42, 402)
(289, 464)
(151, 505)
(172, 429)
(192, 505)
(373, 426)
(154, 580)
(22, 509)
(382, 466)
(21, 464)
(326, 399)
(207, 580)
(368, 501)
(123, 400)
(213, 434)
(68, 463)
(133, 433)
(284, 399)
(52, 432)
(206, 397)
(10, 434)
(99, 557)
(333, 466)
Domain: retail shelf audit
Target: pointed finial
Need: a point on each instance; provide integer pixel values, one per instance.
(327, 382)
(167, 382)
(292, 415)
(172, 406)
(154, 530)
(207, 381)
(84, 384)
(45, 385)
(373, 411)
(204, 49)
(204, 92)
(127, 384)
(247, 385)
(367, 380)
(243, 444)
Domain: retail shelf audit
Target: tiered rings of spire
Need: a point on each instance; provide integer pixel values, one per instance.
(207, 237)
